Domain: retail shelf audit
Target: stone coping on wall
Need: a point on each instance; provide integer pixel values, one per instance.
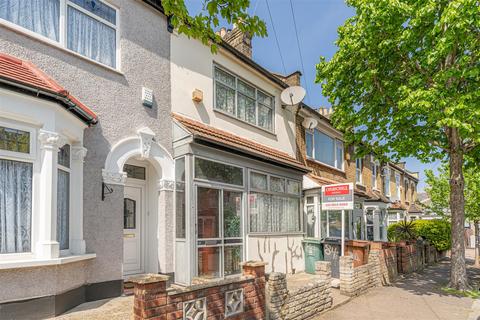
(210, 284)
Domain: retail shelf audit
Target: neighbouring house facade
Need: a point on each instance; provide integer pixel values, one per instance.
(238, 180)
(86, 166)
(384, 192)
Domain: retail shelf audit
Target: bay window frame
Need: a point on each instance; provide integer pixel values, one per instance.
(63, 31)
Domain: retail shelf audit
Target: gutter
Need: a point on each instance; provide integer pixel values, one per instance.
(49, 95)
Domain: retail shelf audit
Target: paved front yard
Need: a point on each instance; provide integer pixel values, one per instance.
(416, 297)
(110, 309)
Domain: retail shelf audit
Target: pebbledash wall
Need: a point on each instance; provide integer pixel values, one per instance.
(115, 96)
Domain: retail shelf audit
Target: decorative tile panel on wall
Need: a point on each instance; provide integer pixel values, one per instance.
(233, 302)
(195, 309)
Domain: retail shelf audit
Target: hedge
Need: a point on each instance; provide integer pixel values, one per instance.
(437, 232)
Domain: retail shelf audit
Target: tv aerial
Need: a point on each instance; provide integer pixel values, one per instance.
(292, 96)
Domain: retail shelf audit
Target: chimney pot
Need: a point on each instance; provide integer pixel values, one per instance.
(223, 32)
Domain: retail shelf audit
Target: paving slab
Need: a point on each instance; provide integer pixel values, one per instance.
(415, 297)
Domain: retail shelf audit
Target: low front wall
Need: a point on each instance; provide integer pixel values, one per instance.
(236, 298)
(388, 265)
(302, 303)
(354, 281)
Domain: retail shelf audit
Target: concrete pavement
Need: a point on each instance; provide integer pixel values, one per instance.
(415, 297)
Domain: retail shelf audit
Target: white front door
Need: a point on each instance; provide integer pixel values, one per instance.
(132, 230)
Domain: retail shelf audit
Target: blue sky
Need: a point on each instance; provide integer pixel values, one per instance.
(317, 23)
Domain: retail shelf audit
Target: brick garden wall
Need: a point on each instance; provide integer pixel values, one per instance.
(354, 281)
(388, 265)
(237, 298)
(302, 303)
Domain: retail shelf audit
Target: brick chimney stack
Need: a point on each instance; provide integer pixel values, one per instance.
(326, 112)
(238, 39)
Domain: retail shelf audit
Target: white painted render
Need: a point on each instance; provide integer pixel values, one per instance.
(192, 66)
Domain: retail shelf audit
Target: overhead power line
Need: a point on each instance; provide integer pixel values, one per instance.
(276, 38)
(300, 51)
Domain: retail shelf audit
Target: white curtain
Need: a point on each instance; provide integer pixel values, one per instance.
(63, 208)
(260, 212)
(15, 206)
(40, 16)
(91, 38)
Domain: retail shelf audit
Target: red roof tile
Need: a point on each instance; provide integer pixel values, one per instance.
(25, 73)
(211, 134)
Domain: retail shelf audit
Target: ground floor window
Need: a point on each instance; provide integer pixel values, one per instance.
(274, 204)
(15, 206)
(219, 232)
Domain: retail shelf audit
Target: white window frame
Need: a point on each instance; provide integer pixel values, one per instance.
(27, 158)
(268, 191)
(21, 156)
(398, 183)
(217, 182)
(62, 42)
(358, 171)
(375, 166)
(335, 146)
(66, 252)
(256, 125)
(405, 191)
(386, 178)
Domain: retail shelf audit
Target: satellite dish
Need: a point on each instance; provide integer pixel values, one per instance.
(292, 95)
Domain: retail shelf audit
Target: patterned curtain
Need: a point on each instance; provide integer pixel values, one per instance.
(63, 209)
(40, 16)
(15, 206)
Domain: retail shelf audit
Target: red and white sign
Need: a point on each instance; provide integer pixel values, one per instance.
(337, 197)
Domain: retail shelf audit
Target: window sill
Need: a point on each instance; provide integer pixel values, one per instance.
(325, 165)
(55, 44)
(247, 123)
(275, 234)
(28, 263)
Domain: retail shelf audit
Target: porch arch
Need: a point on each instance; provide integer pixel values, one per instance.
(143, 145)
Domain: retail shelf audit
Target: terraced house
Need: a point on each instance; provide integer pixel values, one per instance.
(384, 192)
(235, 154)
(86, 172)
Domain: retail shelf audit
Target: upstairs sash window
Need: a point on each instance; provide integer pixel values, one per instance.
(88, 27)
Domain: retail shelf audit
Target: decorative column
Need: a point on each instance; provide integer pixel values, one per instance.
(47, 246)
(166, 225)
(77, 243)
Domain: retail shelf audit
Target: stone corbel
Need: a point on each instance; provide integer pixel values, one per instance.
(114, 177)
(147, 137)
(79, 153)
(165, 185)
(51, 140)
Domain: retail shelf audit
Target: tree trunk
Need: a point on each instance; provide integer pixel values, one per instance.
(458, 272)
(477, 243)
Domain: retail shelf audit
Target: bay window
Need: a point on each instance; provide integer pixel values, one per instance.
(274, 204)
(87, 27)
(324, 148)
(331, 223)
(243, 101)
(58, 167)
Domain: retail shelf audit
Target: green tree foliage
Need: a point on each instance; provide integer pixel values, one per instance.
(202, 25)
(437, 232)
(405, 82)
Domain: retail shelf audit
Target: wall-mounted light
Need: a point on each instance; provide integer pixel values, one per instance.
(106, 190)
(197, 95)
